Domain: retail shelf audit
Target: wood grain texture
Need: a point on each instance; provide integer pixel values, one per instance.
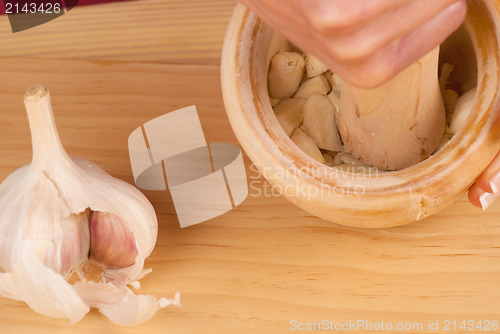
(173, 31)
(258, 267)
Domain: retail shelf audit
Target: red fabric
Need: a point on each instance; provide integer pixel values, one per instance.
(93, 2)
(80, 3)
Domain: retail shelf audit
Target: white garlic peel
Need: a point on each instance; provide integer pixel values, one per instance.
(45, 233)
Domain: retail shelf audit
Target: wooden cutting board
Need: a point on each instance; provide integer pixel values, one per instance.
(266, 264)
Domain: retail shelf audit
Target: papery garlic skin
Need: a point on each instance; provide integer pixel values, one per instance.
(45, 234)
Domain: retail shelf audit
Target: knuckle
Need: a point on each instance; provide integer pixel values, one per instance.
(351, 50)
(367, 75)
(325, 24)
(330, 19)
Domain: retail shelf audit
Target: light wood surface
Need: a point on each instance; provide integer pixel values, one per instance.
(166, 31)
(264, 264)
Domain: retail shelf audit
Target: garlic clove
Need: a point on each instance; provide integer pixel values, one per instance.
(334, 98)
(108, 194)
(285, 74)
(319, 123)
(307, 145)
(317, 85)
(462, 110)
(274, 102)
(290, 114)
(446, 70)
(334, 81)
(74, 243)
(347, 158)
(314, 66)
(450, 98)
(112, 243)
(329, 161)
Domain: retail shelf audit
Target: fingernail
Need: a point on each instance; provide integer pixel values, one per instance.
(494, 187)
(495, 180)
(486, 199)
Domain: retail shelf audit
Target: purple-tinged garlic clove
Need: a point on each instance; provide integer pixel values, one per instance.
(111, 241)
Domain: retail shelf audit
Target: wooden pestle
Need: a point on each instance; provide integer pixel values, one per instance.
(397, 124)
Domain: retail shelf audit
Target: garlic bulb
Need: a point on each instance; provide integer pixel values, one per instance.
(71, 236)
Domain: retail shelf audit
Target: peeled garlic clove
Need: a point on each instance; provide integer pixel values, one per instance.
(329, 161)
(450, 98)
(307, 145)
(274, 102)
(446, 138)
(290, 114)
(334, 99)
(347, 158)
(319, 123)
(334, 81)
(314, 66)
(45, 237)
(462, 111)
(314, 86)
(285, 74)
(446, 70)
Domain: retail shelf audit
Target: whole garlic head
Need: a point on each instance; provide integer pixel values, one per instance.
(72, 236)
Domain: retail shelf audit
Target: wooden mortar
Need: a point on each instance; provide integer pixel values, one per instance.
(375, 199)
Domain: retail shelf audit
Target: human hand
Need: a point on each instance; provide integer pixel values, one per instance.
(486, 189)
(366, 42)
